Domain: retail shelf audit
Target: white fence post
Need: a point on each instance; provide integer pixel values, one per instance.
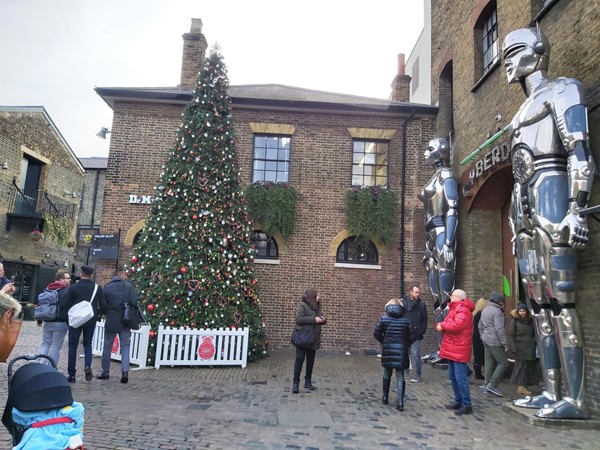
(138, 349)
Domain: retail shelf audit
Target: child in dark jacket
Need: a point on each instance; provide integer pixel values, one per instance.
(394, 332)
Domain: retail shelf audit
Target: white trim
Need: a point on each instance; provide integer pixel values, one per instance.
(358, 266)
(267, 261)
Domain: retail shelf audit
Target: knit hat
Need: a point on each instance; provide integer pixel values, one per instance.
(522, 306)
(496, 297)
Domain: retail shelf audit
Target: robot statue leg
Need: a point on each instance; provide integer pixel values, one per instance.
(531, 278)
(569, 336)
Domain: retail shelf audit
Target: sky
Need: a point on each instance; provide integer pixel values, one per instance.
(54, 52)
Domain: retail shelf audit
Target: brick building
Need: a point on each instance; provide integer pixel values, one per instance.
(323, 132)
(475, 101)
(40, 174)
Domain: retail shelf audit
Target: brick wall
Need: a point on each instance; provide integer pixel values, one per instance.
(571, 27)
(320, 169)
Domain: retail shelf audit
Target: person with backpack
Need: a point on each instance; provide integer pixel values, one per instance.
(51, 315)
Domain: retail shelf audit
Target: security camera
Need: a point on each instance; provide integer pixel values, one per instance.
(498, 118)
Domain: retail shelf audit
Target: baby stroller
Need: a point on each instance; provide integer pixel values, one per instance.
(40, 412)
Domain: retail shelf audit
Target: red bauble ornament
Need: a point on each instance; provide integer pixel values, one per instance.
(183, 270)
(150, 307)
(194, 217)
(134, 259)
(172, 323)
(152, 333)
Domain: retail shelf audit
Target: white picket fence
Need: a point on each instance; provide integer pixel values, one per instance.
(138, 348)
(203, 347)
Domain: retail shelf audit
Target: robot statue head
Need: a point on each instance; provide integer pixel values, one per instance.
(438, 152)
(525, 51)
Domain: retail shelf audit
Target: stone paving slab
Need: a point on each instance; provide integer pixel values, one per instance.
(253, 408)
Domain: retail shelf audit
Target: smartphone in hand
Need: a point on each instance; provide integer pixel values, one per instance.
(12, 279)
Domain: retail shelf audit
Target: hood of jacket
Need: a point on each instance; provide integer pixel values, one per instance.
(395, 311)
(7, 302)
(56, 285)
(466, 303)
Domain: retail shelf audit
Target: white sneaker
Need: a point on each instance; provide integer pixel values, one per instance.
(415, 380)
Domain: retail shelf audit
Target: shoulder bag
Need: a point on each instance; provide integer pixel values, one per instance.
(304, 337)
(133, 316)
(83, 311)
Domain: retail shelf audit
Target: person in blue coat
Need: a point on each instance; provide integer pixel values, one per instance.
(395, 333)
(117, 292)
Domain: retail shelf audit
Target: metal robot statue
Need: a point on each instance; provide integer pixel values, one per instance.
(440, 201)
(553, 170)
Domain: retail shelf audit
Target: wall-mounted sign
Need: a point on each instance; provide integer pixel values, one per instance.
(140, 199)
(85, 236)
(489, 159)
(105, 240)
(105, 253)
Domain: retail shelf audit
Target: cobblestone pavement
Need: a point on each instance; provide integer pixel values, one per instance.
(253, 408)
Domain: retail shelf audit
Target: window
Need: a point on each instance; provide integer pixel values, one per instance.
(265, 246)
(271, 158)
(369, 163)
(349, 252)
(490, 41)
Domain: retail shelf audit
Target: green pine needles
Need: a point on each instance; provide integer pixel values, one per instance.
(274, 206)
(371, 213)
(58, 228)
(194, 260)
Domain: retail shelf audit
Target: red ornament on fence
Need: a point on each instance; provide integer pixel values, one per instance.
(116, 345)
(206, 350)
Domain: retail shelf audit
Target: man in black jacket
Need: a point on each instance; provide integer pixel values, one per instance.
(81, 291)
(117, 293)
(416, 312)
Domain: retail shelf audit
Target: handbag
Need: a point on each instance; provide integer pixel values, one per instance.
(304, 337)
(9, 332)
(132, 317)
(82, 312)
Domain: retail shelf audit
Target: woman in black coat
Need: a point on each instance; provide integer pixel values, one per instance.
(308, 315)
(394, 332)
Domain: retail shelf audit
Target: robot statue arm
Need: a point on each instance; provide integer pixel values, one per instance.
(571, 118)
(451, 194)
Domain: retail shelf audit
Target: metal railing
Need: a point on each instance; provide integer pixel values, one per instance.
(36, 203)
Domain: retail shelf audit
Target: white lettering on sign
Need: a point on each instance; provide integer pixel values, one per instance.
(140, 199)
(496, 155)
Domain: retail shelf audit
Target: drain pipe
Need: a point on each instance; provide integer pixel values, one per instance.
(402, 199)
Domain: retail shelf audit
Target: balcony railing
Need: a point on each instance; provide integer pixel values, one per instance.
(31, 205)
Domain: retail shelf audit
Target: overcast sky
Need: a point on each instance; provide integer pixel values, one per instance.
(54, 52)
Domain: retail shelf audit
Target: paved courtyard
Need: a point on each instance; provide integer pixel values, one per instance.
(253, 408)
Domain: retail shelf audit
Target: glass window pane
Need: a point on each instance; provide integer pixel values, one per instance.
(270, 176)
(272, 142)
(271, 165)
(259, 165)
(285, 142)
(259, 153)
(260, 141)
(369, 158)
(359, 146)
(283, 154)
(357, 158)
(357, 180)
(370, 147)
(282, 177)
(272, 153)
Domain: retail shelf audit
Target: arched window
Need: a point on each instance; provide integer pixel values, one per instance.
(350, 252)
(265, 245)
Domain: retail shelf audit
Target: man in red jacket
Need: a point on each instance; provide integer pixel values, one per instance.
(457, 329)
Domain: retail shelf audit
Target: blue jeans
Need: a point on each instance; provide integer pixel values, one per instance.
(124, 342)
(457, 373)
(74, 335)
(415, 353)
(53, 336)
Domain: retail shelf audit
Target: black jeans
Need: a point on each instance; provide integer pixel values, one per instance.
(302, 353)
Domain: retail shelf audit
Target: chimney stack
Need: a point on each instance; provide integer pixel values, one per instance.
(194, 53)
(401, 83)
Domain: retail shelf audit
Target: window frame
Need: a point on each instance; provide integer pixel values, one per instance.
(270, 245)
(373, 166)
(266, 160)
(345, 261)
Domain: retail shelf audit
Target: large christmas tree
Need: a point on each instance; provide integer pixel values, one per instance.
(193, 261)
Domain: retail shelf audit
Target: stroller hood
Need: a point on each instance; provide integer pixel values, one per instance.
(39, 387)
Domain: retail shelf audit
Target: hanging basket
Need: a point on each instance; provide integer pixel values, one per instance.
(36, 236)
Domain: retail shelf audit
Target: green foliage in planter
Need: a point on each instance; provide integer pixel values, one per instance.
(274, 206)
(372, 212)
(58, 228)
